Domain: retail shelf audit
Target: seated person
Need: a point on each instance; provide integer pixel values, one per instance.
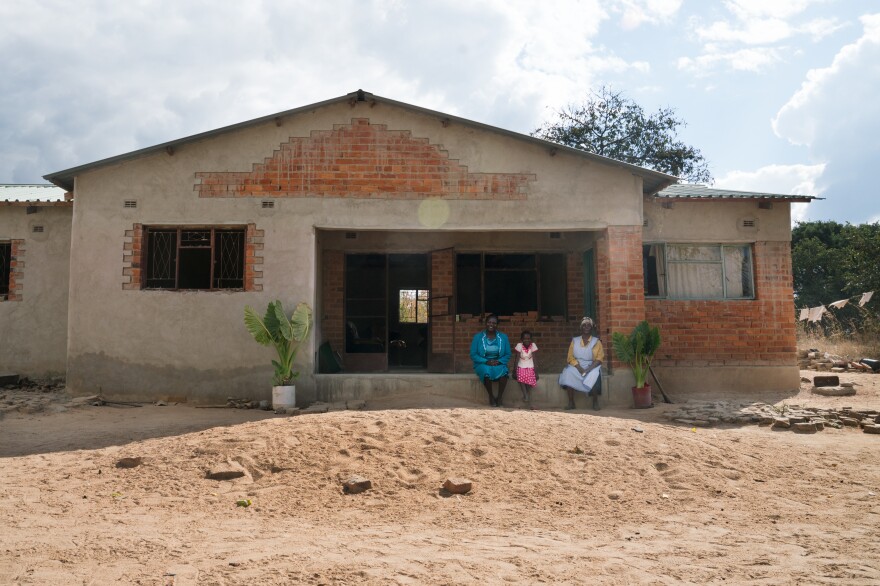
(490, 353)
(585, 355)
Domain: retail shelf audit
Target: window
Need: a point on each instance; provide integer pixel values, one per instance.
(506, 284)
(5, 267)
(194, 258)
(698, 271)
(413, 305)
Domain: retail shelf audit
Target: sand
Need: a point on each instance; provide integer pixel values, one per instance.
(615, 497)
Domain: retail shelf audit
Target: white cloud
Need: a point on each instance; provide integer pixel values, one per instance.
(755, 60)
(635, 13)
(747, 9)
(785, 179)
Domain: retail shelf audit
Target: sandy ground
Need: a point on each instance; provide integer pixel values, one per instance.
(558, 497)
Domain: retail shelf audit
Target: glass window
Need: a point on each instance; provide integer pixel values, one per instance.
(194, 258)
(413, 305)
(698, 271)
(506, 284)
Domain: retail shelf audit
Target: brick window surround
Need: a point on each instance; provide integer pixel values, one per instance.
(16, 271)
(133, 257)
(366, 161)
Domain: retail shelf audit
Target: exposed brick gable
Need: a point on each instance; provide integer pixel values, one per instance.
(363, 160)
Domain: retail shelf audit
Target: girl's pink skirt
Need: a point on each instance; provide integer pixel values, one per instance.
(526, 376)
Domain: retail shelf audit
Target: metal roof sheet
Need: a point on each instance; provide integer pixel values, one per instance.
(700, 192)
(652, 181)
(36, 194)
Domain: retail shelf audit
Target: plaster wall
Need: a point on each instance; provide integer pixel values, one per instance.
(33, 329)
(715, 221)
(145, 344)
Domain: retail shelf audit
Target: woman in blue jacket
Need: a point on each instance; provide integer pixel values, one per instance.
(490, 352)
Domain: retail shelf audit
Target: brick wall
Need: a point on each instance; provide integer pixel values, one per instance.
(362, 160)
(759, 332)
(620, 288)
(133, 257)
(16, 271)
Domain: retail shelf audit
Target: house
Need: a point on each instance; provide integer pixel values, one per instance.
(403, 227)
(34, 272)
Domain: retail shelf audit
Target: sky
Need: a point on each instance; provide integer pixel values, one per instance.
(780, 96)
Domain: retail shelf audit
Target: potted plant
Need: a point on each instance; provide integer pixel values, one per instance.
(638, 350)
(285, 335)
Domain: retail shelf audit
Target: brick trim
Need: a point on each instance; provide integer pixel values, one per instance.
(16, 271)
(365, 161)
(133, 255)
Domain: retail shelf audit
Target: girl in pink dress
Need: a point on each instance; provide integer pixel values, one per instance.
(526, 373)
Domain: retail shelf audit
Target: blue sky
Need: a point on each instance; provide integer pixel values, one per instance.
(780, 95)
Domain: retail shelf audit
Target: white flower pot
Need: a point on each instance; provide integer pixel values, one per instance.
(284, 397)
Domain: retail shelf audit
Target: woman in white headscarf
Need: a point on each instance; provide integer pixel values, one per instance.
(585, 356)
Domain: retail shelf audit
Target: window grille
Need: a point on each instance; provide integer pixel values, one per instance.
(194, 258)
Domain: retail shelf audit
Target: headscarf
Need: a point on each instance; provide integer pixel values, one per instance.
(588, 320)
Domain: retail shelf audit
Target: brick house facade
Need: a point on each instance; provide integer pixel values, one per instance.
(403, 227)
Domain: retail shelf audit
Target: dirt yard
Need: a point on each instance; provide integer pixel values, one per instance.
(616, 497)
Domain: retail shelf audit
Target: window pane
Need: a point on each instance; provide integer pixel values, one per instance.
(468, 283)
(229, 259)
(5, 266)
(365, 276)
(195, 238)
(695, 281)
(689, 252)
(552, 284)
(509, 292)
(422, 306)
(653, 266)
(738, 272)
(510, 261)
(195, 268)
(407, 306)
(161, 269)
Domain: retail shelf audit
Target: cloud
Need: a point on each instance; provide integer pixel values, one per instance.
(836, 114)
(785, 179)
(762, 26)
(634, 13)
(756, 60)
(138, 74)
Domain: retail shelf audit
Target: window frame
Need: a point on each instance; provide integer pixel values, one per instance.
(215, 229)
(539, 297)
(6, 270)
(664, 285)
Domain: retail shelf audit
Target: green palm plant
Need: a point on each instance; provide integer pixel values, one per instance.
(637, 349)
(284, 334)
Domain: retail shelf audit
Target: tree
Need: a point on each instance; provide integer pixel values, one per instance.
(612, 125)
(832, 261)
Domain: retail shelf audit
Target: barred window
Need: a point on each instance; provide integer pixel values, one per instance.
(506, 284)
(5, 267)
(185, 258)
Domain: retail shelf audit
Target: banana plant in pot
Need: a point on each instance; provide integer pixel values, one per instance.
(638, 350)
(285, 335)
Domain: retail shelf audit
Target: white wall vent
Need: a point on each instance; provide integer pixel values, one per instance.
(267, 204)
(130, 204)
(38, 229)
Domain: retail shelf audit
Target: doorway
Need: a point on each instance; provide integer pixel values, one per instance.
(386, 311)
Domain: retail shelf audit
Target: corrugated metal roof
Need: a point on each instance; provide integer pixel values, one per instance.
(36, 194)
(697, 192)
(652, 181)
